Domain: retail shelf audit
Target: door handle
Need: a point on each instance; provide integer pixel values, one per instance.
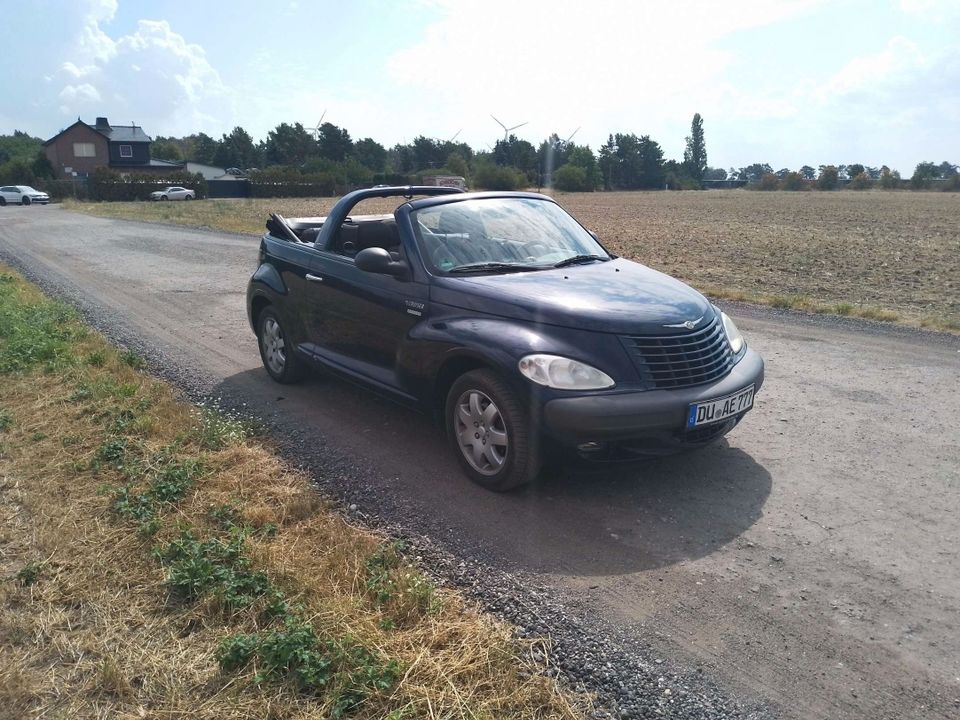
(314, 278)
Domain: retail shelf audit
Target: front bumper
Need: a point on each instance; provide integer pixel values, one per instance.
(658, 416)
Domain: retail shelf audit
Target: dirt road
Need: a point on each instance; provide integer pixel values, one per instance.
(810, 561)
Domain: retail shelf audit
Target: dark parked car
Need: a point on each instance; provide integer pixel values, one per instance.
(504, 316)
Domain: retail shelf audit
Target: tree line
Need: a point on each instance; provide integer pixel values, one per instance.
(329, 159)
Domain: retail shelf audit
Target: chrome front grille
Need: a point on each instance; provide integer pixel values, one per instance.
(682, 359)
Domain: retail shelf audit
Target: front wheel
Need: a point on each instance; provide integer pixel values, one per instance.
(164, 197)
(188, 197)
(276, 351)
(3, 201)
(490, 432)
(24, 200)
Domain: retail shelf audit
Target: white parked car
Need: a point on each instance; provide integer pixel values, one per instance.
(174, 192)
(22, 195)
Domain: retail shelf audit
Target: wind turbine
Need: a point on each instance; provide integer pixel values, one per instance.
(570, 137)
(316, 131)
(506, 130)
(444, 142)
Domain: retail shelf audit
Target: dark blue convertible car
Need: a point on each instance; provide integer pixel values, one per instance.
(506, 318)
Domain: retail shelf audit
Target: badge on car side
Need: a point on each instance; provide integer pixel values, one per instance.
(414, 307)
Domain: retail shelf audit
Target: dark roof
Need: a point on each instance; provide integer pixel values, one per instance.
(113, 133)
(125, 133)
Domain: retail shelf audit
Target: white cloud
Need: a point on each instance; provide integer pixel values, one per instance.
(79, 92)
(152, 75)
(897, 63)
(559, 65)
(929, 7)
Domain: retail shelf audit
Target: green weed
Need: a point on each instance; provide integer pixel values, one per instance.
(396, 588)
(29, 573)
(130, 358)
(6, 420)
(295, 654)
(196, 568)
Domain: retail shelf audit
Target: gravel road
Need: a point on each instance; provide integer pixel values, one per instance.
(806, 567)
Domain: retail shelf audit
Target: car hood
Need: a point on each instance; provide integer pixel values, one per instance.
(617, 296)
(34, 193)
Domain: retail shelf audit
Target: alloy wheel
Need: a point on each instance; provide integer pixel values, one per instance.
(481, 432)
(274, 349)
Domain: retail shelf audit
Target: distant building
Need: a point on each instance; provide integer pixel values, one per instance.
(82, 148)
(209, 172)
(445, 181)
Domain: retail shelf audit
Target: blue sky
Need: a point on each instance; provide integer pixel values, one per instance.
(789, 83)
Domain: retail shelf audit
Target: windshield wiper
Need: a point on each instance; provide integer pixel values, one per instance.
(577, 259)
(485, 266)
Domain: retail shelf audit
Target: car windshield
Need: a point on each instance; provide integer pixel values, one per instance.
(502, 235)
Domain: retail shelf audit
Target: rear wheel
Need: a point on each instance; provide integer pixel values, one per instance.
(3, 201)
(279, 359)
(490, 432)
(24, 200)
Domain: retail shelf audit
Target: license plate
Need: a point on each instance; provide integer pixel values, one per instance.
(713, 411)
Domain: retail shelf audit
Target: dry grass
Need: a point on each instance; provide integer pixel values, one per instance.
(882, 255)
(88, 625)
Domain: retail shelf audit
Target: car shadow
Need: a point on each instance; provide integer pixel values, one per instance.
(642, 515)
(581, 519)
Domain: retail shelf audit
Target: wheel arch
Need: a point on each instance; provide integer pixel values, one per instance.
(448, 372)
(257, 305)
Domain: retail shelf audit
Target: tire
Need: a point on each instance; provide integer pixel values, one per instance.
(511, 458)
(279, 361)
(164, 197)
(188, 197)
(3, 201)
(24, 200)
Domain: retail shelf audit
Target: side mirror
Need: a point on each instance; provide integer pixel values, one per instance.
(593, 235)
(378, 260)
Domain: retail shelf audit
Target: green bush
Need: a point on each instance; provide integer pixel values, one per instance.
(829, 178)
(794, 181)
(861, 182)
(571, 178)
(769, 181)
(498, 177)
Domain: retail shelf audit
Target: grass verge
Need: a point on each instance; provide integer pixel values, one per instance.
(157, 559)
(805, 304)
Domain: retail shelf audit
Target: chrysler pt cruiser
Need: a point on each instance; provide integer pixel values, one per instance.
(506, 318)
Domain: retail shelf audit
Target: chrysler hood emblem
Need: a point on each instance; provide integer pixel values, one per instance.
(688, 324)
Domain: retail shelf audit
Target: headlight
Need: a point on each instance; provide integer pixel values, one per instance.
(563, 373)
(734, 337)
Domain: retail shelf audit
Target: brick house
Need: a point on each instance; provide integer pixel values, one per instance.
(82, 148)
